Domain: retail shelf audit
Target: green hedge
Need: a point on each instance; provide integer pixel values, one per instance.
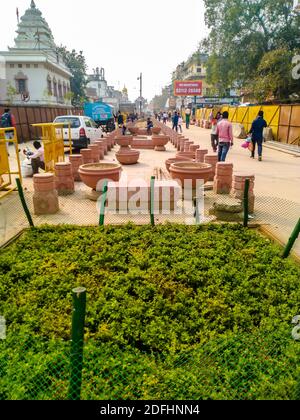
(156, 295)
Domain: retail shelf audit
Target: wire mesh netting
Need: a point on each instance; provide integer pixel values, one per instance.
(240, 367)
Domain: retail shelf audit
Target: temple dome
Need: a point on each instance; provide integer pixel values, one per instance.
(33, 31)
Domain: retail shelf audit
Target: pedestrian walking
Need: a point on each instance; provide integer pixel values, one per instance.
(180, 122)
(225, 135)
(175, 122)
(187, 118)
(165, 118)
(257, 130)
(120, 119)
(8, 120)
(214, 135)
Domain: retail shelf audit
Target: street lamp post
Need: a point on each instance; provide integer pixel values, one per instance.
(141, 91)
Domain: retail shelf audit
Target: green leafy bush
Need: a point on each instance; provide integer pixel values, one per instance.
(156, 295)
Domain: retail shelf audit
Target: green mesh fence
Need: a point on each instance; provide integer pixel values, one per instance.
(239, 367)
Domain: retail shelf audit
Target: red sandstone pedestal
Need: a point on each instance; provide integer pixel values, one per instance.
(87, 155)
(194, 148)
(200, 155)
(45, 197)
(238, 188)
(187, 145)
(101, 148)
(76, 161)
(96, 152)
(64, 181)
(211, 160)
(223, 178)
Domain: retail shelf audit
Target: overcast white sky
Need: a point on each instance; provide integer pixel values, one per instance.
(124, 37)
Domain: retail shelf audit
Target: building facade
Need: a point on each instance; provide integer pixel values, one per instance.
(33, 72)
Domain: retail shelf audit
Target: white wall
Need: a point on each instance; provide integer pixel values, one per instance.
(36, 84)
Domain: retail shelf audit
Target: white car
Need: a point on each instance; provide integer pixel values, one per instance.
(84, 130)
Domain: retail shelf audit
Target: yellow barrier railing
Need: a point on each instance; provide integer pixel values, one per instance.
(8, 135)
(246, 115)
(53, 142)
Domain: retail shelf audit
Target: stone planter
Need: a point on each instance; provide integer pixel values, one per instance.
(160, 142)
(87, 155)
(76, 161)
(133, 130)
(64, 181)
(92, 174)
(211, 160)
(128, 156)
(169, 162)
(156, 130)
(45, 197)
(200, 155)
(192, 171)
(124, 141)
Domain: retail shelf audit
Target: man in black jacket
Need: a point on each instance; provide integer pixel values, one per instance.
(257, 130)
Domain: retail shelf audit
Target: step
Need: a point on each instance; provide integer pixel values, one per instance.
(287, 148)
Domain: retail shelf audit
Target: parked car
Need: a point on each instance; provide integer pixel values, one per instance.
(84, 130)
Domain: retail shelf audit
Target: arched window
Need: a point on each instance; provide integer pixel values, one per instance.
(60, 95)
(64, 88)
(49, 85)
(55, 87)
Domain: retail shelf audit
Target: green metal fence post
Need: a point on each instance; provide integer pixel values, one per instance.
(152, 219)
(103, 201)
(292, 240)
(246, 202)
(23, 201)
(78, 318)
(196, 206)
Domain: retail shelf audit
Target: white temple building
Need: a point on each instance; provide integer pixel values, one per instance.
(32, 72)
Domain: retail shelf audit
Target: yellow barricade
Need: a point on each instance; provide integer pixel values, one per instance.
(53, 142)
(8, 135)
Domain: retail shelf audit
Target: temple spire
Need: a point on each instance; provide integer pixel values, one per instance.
(33, 6)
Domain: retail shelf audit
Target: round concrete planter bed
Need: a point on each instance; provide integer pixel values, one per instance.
(193, 171)
(92, 173)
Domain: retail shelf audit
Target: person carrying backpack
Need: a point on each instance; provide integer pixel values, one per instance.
(8, 120)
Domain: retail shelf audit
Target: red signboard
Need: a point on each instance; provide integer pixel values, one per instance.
(187, 88)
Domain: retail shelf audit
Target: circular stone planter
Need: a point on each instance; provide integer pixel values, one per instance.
(128, 156)
(169, 162)
(156, 130)
(124, 141)
(193, 171)
(160, 142)
(133, 130)
(92, 173)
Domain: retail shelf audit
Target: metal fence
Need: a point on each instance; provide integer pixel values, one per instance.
(238, 367)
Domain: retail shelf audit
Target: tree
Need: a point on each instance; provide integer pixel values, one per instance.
(77, 66)
(242, 32)
(274, 77)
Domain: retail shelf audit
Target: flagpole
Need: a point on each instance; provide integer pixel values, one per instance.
(18, 16)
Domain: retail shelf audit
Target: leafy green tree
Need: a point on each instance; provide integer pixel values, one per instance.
(274, 76)
(77, 66)
(242, 32)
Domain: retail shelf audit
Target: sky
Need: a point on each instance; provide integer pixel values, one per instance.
(125, 37)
